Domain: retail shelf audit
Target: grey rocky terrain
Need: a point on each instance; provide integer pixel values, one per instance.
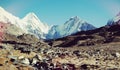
(27, 52)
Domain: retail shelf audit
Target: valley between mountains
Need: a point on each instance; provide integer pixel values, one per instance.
(29, 44)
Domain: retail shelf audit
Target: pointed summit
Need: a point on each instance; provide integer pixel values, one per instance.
(32, 18)
(76, 24)
(33, 24)
(75, 21)
(117, 17)
(114, 20)
(75, 18)
(31, 15)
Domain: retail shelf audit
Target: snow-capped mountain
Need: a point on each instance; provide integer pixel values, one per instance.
(34, 22)
(114, 20)
(9, 18)
(117, 18)
(35, 26)
(32, 25)
(29, 24)
(73, 25)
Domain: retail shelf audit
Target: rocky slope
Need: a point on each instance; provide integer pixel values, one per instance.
(26, 52)
(11, 29)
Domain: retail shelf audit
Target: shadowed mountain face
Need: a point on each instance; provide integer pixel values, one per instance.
(106, 34)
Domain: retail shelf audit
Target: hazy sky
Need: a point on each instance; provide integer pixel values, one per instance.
(96, 12)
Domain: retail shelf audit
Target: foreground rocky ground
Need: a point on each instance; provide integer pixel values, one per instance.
(93, 50)
(26, 52)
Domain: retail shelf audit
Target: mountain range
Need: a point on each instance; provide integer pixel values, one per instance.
(103, 35)
(21, 50)
(31, 24)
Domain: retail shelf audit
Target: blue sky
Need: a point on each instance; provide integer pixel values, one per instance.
(96, 12)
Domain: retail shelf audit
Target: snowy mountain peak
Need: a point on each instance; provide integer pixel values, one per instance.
(74, 22)
(73, 25)
(35, 26)
(117, 17)
(114, 20)
(74, 18)
(31, 16)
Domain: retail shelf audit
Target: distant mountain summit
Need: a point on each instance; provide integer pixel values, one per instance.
(31, 24)
(73, 25)
(115, 20)
(35, 26)
(33, 21)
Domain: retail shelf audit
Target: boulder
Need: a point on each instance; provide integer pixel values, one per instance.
(21, 57)
(25, 61)
(117, 54)
(34, 61)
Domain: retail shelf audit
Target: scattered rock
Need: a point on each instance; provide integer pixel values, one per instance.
(25, 61)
